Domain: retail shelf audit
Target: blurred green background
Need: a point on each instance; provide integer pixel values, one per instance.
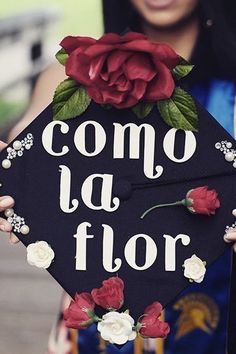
(82, 17)
(27, 47)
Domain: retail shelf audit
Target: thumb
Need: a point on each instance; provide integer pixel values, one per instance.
(2, 145)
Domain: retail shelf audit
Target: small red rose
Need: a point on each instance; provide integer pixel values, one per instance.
(121, 70)
(111, 295)
(201, 200)
(79, 314)
(150, 325)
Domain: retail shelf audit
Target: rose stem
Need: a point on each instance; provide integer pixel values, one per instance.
(181, 202)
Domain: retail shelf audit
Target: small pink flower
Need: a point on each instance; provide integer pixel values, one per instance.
(150, 325)
(110, 295)
(79, 314)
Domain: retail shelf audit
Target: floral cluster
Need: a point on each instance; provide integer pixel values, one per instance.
(114, 327)
(127, 71)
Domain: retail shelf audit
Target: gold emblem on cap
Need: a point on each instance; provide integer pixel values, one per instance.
(198, 311)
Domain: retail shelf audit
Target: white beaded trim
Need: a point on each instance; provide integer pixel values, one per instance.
(17, 149)
(226, 148)
(233, 226)
(17, 222)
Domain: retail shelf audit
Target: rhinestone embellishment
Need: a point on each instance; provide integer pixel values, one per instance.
(17, 149)
(17, 222)
(228, 151)
(233, 226)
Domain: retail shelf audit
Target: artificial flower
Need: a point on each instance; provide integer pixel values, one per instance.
(40, 254)
(150, 325)
(117, 328)
(194, 269)
(80, 313)
(111, 295)
(200, 200)
(121, 70)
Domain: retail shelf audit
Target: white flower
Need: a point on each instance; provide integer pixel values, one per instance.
(194, 269)
(40, 254)
(117, 327)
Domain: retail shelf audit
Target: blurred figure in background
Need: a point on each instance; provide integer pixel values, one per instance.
(202, 32)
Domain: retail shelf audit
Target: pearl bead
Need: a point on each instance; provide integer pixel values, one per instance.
(218, 145)
(6, 164)
(229, 145)
(234, 164)
(27, 146)
(229, 156)
(18, 219)
(9, 212)
(24, 229)
(17, 145)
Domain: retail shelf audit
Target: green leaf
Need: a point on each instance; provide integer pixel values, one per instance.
(62, 56)
(182, 69)
(70, 100)
(179, 111)
(142, 109)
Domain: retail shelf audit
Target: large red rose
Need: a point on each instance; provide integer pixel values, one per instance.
(201, 200)
(150, 324)
(121, 70)
(110, 295)
(80, 312)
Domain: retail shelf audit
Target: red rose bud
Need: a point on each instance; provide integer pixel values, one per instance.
(121, 70)
(199, 200)
(110, 296)
(80, 314)
(150, 326)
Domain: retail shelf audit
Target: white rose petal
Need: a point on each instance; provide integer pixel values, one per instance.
(40, 254)
(117, 327)
(194, 269)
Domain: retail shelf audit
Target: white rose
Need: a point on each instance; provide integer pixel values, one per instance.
(117, 327)
(40, 254)
(194, 269)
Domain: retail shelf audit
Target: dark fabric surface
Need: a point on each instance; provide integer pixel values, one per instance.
(33, 180)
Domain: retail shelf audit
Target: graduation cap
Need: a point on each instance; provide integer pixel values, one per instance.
(83, 186)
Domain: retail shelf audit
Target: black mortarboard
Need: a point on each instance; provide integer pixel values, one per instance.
(143, 163)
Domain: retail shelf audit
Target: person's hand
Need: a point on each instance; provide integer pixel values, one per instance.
(230, 235)
(6, 202)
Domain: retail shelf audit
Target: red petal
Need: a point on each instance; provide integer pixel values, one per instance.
(162, 86)
(165, 54)
(113, 78)
(154, 309)
(98, 49)
(123, 85)
(96, 66)
(139, 66)
(70, 43)
(139, 45)
(116, 59)
(139, 89)
(77, 67)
